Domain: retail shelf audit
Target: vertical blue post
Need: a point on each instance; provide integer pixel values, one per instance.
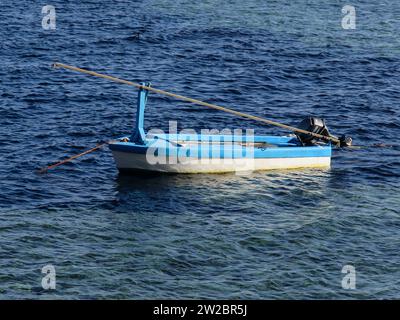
(138, 135)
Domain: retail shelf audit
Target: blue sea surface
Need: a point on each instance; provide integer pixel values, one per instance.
(269, 235)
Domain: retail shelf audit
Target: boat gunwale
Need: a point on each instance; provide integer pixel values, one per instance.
(280, 149)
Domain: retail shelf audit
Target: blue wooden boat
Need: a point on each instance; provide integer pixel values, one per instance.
(192, 153)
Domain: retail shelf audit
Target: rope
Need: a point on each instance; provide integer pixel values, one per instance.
(45, 169)
(195, 101)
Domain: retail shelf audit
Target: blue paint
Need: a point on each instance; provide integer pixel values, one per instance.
(280, 147)
(139, 135)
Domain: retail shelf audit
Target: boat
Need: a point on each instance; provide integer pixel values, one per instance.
(155, 151)
(215, 153)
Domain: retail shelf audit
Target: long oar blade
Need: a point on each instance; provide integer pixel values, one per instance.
(45, 169)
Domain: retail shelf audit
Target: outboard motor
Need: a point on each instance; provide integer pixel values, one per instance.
(317, 125)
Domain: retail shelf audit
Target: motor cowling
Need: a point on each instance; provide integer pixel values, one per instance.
(314, 125)
(318, 125)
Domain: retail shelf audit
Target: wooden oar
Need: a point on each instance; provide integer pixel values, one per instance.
(45, 169)
(202, 103)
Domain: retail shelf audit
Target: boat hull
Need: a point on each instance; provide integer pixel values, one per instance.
(130, 162)
(180, 154)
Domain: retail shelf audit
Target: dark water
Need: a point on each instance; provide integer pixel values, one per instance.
(280, 234)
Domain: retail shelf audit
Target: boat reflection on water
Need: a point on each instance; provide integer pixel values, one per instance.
(261, 200)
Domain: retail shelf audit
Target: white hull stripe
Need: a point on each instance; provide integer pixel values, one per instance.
(133, 161)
